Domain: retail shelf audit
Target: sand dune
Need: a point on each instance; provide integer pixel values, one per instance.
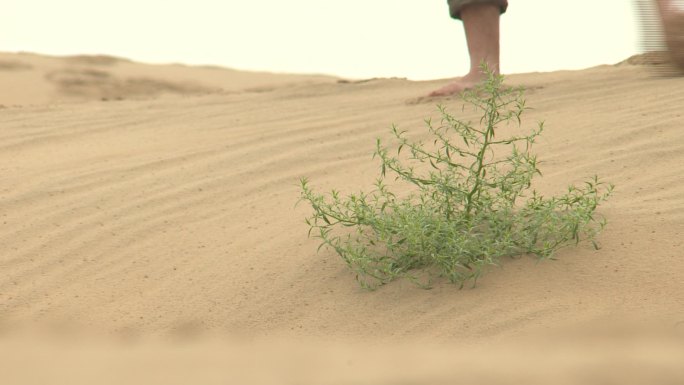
(163, 216)
(36, 79)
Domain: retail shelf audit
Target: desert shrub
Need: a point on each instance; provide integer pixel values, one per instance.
(468, 201)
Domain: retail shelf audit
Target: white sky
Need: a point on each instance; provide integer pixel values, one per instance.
(351, 38)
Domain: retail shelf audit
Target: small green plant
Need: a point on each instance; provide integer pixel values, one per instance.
(469, 203)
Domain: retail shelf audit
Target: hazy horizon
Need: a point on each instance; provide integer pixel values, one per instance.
(414, 40)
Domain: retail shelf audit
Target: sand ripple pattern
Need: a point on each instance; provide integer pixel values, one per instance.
(150, 216)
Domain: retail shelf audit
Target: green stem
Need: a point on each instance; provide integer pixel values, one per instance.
(488, 135)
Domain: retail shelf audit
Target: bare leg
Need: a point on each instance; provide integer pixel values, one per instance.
(672, 15)
(481, 24)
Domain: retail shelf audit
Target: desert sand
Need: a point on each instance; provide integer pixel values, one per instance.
(158, 203)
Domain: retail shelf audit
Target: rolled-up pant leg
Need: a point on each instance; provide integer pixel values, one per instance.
(455, 6)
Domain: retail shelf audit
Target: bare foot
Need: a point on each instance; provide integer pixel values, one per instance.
(459, 85)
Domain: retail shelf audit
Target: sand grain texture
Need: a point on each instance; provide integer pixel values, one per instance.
(175, 215)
